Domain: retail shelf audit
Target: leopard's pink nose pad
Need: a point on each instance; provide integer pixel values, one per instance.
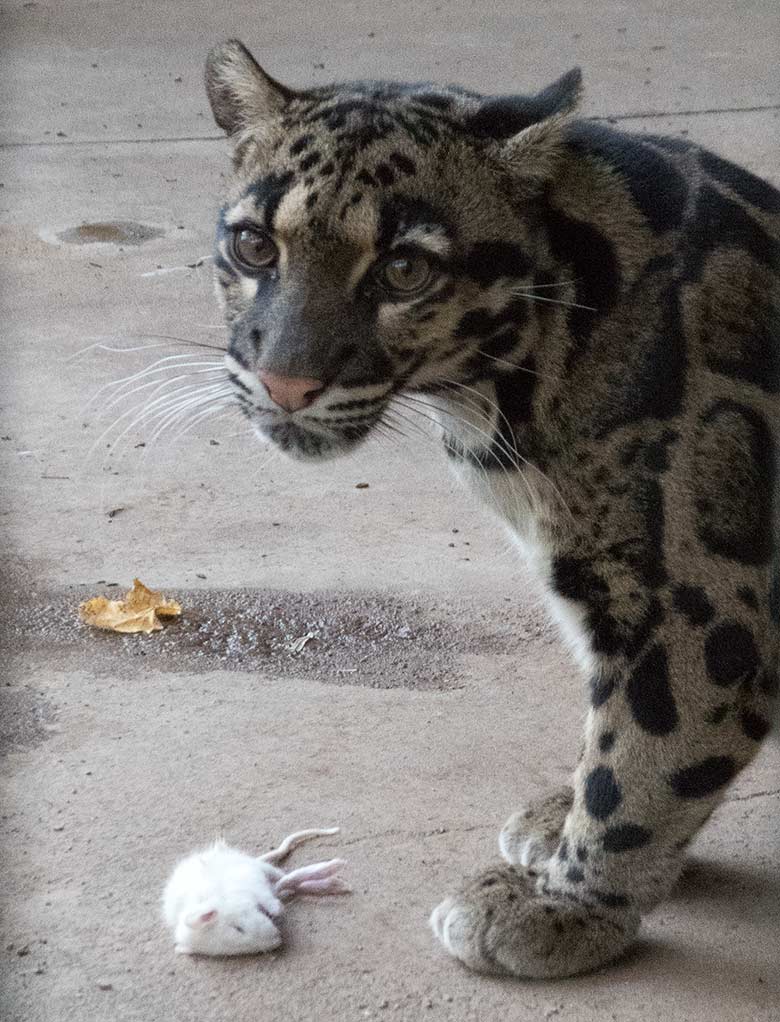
(291, 392)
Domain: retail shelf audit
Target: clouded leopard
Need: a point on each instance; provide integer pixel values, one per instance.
(593, 319)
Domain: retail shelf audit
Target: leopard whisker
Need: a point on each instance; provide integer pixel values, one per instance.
(553, 301)
(158, 385)
(514, 366)
(159, 366)
(159, 406)
(525, 461)
(493, 441)
(168, 416)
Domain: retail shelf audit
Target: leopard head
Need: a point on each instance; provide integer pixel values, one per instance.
(373, 242)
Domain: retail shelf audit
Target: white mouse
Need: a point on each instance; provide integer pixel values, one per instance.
(225, 902)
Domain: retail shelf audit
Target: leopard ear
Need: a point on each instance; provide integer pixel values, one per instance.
(241, 94)
(562, 96)
(526, 133)
(533, 156)
(500, 117)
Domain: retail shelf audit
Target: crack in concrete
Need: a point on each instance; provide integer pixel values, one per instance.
(611, 118)
(754, 794)
(414, 834)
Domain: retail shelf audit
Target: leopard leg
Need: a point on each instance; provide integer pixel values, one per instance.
(531, 836)
(659, 752)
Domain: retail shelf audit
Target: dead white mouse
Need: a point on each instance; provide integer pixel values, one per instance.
(225, 902)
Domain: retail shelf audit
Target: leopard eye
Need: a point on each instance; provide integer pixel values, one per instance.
(253, 249)
(405, 274)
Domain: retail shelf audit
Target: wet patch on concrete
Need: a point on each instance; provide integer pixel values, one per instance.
(24, 716)
(110, 232)
(337, 638)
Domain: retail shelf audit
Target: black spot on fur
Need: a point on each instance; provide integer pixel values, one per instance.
(651, 383)
(720, 222)
(693, 603)
(575, 875)
(607, 741)
(718, 713)
(754, 725)
(730, 654)
(403, 163)
(748, 597)
(602, 792)
(610, 900)
(482, 323)
(311, 200)
(575, 579)
(563, 850)
(384, 174)
(300, 144)
(498, 346)
(327, 168)
(600, 690)
(582, 853)
(749, 187)
(309, 161)
(398, 214)
(769, 682)
(734, 476)
(657, 188)
(514, 395)
(268, 193)
(656, 453)
(434, 100)
(738, 329)
(626, 837)
(774, 594)
(489, 261)
(703, 778)
(590, 257)
(649, 693)
(643, 551)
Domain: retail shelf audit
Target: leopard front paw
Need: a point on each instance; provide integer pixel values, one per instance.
(499, 922)
(529, 837)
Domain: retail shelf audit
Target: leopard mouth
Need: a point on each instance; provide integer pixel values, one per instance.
(316, 441)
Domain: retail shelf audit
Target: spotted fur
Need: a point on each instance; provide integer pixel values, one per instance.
(600, 342)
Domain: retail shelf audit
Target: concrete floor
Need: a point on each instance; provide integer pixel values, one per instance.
(436, 713)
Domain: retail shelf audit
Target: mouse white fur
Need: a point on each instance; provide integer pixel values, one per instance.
(221, 901)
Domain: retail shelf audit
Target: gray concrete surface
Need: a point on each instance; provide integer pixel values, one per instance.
(122, 754)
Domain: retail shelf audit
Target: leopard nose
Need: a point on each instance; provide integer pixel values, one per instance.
(291, 392)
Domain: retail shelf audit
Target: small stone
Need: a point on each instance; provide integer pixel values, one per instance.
(104, 984)
(23, 951)
(361, 486)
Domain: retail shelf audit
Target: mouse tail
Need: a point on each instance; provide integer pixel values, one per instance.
(298, 838)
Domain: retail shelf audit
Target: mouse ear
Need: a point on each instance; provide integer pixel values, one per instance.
(197, 920)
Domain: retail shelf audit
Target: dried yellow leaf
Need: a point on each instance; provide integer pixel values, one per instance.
(140, 610)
